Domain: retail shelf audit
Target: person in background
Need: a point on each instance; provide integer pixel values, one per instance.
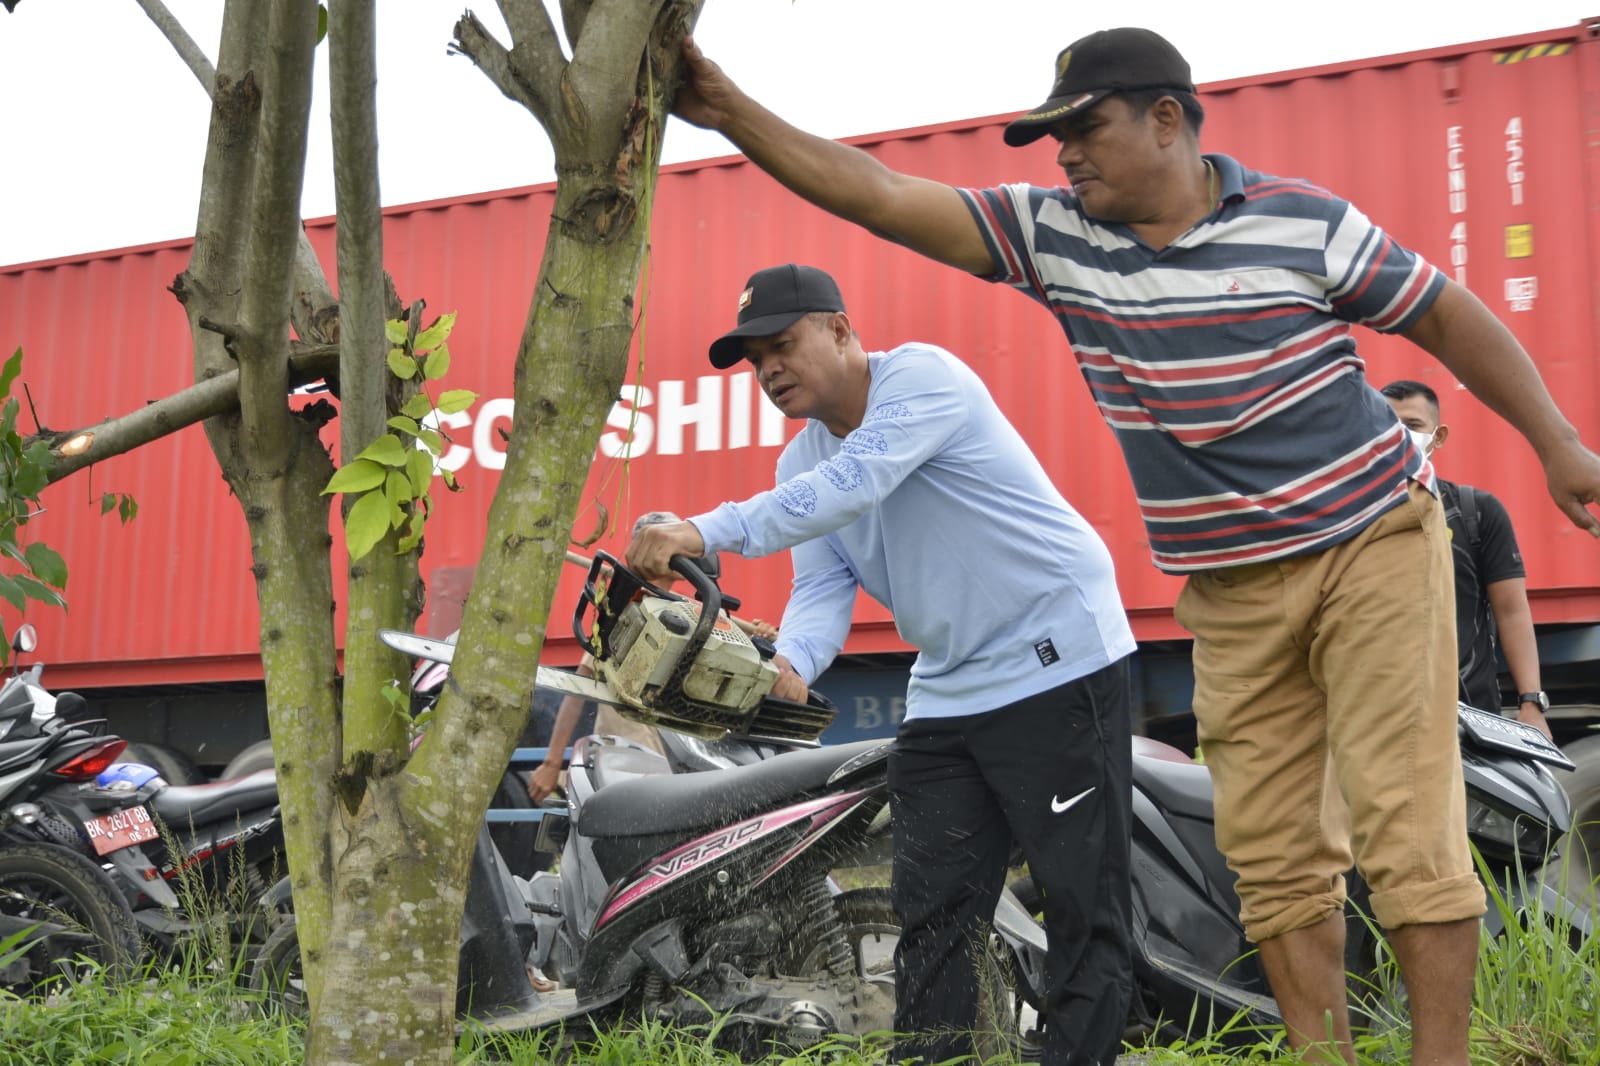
(908, 482)
(1491, 584)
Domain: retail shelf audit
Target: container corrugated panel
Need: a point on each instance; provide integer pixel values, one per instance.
(1476, 156)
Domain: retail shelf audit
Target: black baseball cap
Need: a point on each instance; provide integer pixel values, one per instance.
(1093, 67)
(773, 300)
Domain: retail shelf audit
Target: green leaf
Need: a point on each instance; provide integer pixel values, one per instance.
(453, 400)
(9, 374)
(35, 591)
(436, 334)
(359, 475)
(433, 440)
(322, 23)
(128, 509)
(398, 488)
(413, 534)
(397, 514)
(395, 330)
(366, 524)
(108, 502)
(437, 365)
(12, 594)
(387, 449)
(47, 565)
(419, 469)
(405, 425)
(8, 423)
(402, 365)
(418, 407)
(8, 545)
(392, 693)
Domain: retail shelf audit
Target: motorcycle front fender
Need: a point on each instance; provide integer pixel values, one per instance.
(1531, 894)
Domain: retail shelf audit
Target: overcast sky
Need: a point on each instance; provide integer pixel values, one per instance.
(104, 129)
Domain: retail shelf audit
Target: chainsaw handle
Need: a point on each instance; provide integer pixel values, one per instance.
(709, 595)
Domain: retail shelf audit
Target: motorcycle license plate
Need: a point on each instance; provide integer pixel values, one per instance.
(120, 829)
(1508, 734)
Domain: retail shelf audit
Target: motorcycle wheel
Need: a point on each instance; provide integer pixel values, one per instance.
(1577, 864)
(175, 767)
(277, 974)
(872, 929)
(48, 884)
(257, 756)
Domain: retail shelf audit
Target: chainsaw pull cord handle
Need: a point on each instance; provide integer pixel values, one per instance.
(710, 597)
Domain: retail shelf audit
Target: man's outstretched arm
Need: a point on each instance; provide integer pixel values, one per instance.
(926, 216)
(1483, 354)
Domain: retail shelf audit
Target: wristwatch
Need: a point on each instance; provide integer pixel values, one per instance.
(1539, 698)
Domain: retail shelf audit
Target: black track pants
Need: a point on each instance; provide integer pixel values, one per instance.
(1051, 772)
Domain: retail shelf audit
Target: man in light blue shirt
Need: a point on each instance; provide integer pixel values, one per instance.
(908, 481)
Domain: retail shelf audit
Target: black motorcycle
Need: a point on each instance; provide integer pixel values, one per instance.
(58, 910)
(173, 852)
(1193, 967)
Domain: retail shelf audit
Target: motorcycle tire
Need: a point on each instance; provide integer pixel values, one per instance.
(257, 756)
(872, 929)
(515, 840)
(47, 883)
(175, 767)
(1577, 864)
(277, 975)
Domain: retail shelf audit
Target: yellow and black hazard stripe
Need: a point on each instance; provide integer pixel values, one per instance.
(1533, 51)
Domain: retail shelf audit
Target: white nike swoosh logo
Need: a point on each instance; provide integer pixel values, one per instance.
(1059, 805)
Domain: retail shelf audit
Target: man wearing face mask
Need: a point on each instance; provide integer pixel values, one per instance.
(1491, 585)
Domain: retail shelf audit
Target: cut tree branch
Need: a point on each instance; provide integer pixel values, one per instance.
(206, 399)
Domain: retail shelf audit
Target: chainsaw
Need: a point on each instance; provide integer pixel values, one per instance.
(667, 660)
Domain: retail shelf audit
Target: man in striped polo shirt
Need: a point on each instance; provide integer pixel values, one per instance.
(1210, 309)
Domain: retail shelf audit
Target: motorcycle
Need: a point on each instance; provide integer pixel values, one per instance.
(57, 908)
(684, 896)
(223, 841)
(1193, 967)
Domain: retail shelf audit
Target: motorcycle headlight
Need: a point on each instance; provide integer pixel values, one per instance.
(1488, 825)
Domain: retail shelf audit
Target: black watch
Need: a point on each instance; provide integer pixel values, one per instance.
(1539, 698)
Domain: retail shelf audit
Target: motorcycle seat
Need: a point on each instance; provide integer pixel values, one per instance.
(1182, 788)
(670, 803)
(613, 764)
(181, 806)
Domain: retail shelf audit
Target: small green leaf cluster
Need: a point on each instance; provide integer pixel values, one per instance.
(41, 573)
(389, 481)
(126, 507)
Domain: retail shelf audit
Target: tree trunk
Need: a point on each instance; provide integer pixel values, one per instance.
(389, 968)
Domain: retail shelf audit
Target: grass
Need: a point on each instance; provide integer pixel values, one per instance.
(1536, 1003)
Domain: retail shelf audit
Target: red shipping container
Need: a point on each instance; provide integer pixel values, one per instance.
(1478, 156)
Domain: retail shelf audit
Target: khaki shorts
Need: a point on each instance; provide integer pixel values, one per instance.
(1342, 660)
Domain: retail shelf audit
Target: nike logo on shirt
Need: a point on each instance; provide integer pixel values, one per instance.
(1059, 805)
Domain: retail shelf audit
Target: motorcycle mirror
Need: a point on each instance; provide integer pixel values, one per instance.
(25, 639)
(414, 647)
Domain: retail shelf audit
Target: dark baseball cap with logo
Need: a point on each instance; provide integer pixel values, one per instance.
(773, 300)
(1093, 67)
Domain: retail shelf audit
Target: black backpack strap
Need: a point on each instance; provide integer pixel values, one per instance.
(1467, 500)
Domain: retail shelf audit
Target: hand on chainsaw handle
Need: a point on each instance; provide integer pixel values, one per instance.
(790, 685)
(654, 546)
